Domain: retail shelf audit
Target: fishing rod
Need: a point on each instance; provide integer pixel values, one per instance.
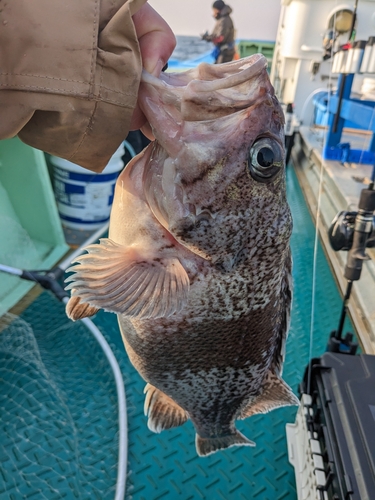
(353, 232)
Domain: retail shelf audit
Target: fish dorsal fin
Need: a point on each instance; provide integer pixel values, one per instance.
(162, 411)
(75, 309)
(276, 394)
(129, 281)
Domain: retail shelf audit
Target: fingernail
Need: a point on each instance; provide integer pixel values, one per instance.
(156, 70)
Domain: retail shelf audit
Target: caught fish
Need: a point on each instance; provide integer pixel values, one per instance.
(197, 264)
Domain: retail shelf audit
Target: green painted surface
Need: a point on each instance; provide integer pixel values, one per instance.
(249, 47)
(30, 228)
(44, 458)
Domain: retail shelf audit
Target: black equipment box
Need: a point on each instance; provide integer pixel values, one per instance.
(342, 418)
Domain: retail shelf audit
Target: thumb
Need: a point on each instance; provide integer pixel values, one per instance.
(155, 37)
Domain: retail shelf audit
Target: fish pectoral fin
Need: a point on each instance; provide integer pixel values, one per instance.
(126, 281)
(276, 394)
(75, 309)
(207, 446)
(162, 411)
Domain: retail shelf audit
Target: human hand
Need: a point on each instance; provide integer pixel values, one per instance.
(156, 42)
(217, 40)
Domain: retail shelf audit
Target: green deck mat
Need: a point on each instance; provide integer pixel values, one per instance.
(59, 406)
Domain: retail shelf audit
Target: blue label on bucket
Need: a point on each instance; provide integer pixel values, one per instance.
(74, 188)
(87, 178)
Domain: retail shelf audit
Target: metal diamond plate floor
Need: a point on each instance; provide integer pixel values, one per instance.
(161, 466)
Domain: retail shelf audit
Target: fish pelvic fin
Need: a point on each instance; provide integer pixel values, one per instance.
(276, 394)
(207, 446)
(163, 413)
(128, 281)
(75, 309)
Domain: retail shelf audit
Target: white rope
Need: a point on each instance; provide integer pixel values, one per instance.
(313, 288)
(316, 239)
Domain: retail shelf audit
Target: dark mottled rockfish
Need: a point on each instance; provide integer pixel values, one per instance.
(197, 265)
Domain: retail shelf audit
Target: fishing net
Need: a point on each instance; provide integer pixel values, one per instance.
(58, 408)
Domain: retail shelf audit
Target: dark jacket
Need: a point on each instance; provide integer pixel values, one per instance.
(223, 32)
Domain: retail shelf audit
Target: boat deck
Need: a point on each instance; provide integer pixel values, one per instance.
(59, 405)
(341, 187)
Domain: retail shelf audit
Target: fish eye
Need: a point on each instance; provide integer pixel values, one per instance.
(265, 159)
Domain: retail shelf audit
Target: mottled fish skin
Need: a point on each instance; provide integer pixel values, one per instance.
(215, 354)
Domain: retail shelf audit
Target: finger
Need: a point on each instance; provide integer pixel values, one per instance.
(155, 37)
(156, 42)
(147, 131)
(138, 119)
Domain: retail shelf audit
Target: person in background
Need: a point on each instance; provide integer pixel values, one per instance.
(70, 73)
(222, 35)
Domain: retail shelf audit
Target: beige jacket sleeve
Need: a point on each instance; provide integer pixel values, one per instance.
(69, 75)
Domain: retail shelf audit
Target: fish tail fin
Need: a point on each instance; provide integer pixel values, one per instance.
(162, 411)
(207, 446)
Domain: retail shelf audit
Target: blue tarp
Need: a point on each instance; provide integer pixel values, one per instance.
(176, 65)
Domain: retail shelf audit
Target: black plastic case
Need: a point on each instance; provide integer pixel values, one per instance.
(343, 417)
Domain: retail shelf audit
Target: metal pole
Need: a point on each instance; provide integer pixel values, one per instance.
(344, 310)
(340, 93)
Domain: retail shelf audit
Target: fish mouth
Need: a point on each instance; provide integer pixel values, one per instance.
(208, 77)
(212, 90)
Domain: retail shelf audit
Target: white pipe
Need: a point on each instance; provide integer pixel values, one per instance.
(122, 411)
(11, 270)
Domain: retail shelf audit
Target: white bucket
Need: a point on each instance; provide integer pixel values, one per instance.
(84, 198)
